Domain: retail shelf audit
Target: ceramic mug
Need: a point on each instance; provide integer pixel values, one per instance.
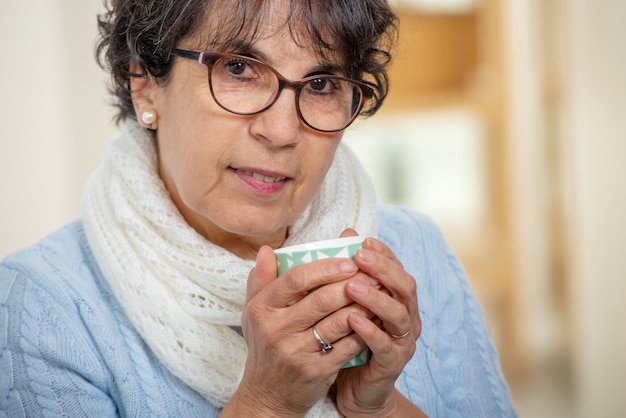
(296, 255)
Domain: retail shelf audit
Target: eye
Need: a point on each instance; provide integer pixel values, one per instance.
(238, 67)
(322, 85)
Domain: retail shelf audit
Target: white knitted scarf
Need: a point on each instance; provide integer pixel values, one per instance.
(182, 293)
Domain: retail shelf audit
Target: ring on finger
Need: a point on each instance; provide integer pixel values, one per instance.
(399, 336)
(326, 348)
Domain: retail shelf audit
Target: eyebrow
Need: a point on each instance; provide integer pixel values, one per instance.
(321, 68)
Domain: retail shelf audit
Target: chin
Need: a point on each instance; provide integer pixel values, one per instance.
(259, 222)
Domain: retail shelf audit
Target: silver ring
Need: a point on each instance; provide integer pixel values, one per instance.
(326, 348)
(401, 336)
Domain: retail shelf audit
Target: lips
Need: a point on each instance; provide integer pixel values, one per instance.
(263, 182)
(262, 177)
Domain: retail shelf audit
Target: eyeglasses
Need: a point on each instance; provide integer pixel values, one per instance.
(246, 86)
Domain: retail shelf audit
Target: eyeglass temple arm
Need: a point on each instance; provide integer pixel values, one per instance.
(194, 56)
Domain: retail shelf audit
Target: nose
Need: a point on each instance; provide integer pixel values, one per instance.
(279, 124)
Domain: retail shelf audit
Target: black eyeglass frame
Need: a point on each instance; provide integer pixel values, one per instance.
(210, 58)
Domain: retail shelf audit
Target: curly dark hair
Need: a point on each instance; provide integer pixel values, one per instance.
(361, 32)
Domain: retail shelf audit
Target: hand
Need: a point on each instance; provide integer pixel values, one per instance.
(369, 389)
(286, 371)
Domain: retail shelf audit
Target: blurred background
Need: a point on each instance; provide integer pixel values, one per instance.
(506, 124)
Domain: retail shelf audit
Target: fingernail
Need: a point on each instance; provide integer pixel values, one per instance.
(360, 320)
(372, 243)
(366, 256)
(347, 266)
(375, 283)
(358, 287)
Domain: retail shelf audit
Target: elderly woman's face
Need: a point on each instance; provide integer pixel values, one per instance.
(238, 180)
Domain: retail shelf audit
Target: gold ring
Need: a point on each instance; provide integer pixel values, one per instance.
(401, 336)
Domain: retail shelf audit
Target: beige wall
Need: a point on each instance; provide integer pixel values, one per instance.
(567, 110)
(594, 137)
(53, 114)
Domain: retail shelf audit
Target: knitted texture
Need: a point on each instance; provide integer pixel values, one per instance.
(67, 348)
(454, 352)
(182, 293)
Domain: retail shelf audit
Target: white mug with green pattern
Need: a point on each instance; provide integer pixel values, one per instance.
(296, 255)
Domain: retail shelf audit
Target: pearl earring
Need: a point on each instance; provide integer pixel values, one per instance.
(148, 117)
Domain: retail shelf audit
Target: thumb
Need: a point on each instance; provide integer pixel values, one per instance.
(349, 232)
(263, 273)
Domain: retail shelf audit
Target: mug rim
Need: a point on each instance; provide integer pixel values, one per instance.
(321, 245)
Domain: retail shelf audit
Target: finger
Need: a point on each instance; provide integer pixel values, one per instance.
(298, 282)
(384, 348)
(397, 309)
(382, 264)
(389, 271)
(327, 304)
(335, 324)
(346, 344)
(263, 273)
(394, 315)
(335, 329)
(379, 247)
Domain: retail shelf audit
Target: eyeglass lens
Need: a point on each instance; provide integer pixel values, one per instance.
(244, 86)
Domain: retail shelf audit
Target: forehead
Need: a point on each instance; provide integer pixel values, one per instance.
(236, 26)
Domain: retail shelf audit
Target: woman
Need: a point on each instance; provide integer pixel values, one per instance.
(163, 299)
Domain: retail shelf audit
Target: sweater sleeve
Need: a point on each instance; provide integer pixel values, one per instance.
(455, 371)
(47, 365)
(68, 349)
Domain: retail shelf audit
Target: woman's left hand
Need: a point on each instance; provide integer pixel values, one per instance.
(390, 335)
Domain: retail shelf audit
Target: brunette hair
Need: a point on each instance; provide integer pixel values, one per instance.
(359, 32)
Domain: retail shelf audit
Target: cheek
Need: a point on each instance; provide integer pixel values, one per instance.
(317, 167)
(184, 151)
(186, 169)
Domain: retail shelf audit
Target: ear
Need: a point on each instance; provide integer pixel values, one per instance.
(143, 92)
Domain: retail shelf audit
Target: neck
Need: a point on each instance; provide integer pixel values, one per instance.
(247, 248)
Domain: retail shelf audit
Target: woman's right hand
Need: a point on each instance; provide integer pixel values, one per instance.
(286, 372)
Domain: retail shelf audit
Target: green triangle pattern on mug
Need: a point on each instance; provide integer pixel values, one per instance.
(360, 359)
(286, 261)
(341, 252)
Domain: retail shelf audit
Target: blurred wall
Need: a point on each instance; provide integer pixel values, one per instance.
(567, 110)
(594, 144)
(53, 113)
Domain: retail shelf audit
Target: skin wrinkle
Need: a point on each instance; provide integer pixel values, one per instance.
(350, 31)
(212, 201)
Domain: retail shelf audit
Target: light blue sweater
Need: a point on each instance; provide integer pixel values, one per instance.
(67, 348)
